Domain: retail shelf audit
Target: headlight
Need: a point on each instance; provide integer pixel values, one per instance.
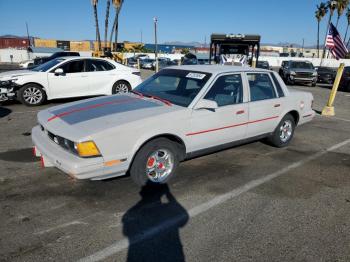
(8, 82)
(87, 149)
(292, 73)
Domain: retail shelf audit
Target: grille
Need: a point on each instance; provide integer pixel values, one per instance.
(303, 74)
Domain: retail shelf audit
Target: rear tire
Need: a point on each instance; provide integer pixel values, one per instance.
(156, 162)
(283, 133)
(121, 87)
(31, 95)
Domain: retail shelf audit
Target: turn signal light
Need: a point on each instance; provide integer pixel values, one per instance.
(87, 149)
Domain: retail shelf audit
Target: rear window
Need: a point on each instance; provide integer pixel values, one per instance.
(277, 85)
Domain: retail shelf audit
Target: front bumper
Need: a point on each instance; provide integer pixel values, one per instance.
(303, 79)
(7, 92)
(77, 167)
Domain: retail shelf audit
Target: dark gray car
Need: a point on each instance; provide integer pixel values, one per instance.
(298, 72)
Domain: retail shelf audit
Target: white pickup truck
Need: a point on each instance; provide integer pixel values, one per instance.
(176, 114)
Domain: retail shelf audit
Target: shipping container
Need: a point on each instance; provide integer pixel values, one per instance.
(65, 45)
(45, 43)
(80, 46)
(12, 42)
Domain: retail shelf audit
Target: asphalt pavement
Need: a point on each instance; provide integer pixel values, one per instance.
(249, 203)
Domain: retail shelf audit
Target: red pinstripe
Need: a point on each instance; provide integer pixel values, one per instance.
(231, 126)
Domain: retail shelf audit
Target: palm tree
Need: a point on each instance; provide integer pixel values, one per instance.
(348, 18)
(106, 21)
(117, 6)
(319, 14)
(98, 37)
(331, 5)
(341, 6)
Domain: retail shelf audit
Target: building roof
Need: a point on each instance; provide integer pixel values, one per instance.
(48, 50)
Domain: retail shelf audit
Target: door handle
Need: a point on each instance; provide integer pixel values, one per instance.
(277, 105)
(240, 112)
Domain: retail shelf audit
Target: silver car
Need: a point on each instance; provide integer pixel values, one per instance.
(179, 113)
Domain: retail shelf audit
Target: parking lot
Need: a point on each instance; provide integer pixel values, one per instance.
(250, 203)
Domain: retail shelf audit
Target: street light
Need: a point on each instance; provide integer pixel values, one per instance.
(155, 42)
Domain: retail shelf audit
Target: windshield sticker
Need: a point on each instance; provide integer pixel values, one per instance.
(195, 76)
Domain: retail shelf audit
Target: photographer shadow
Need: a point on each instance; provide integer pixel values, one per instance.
(152, 226)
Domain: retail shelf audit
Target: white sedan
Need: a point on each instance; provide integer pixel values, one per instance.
(176, 114)
(68, 77)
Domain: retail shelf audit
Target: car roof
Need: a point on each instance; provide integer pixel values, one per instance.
(218, 69)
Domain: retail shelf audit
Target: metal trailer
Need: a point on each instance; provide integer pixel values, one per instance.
(248, 45)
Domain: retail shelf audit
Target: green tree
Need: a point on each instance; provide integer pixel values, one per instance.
(106, 21)
(185, 51)
(117, 6)
(321, 12)
(348, 20)
(98, 37)
(341, 6)
(331, 6)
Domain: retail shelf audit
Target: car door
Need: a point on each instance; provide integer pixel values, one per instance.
(101, 75)
(265, 106)
(225, 124)
(74, 81)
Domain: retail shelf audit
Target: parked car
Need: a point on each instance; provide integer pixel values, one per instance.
(147, 63)
(132, 62)
(179, 113)
(26, 64)
(344, 84)
(263, 65)
(298, 72)
(166, 63)
(68, 77)
(326, 74)
(42, 60)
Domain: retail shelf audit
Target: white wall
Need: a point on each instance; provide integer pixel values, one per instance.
(18, 55)
(277, 61)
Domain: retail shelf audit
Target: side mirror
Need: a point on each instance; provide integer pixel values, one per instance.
(206, 104)
(59, 71)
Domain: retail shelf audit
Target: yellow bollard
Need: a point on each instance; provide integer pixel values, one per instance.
(253, 63)
(328, 110)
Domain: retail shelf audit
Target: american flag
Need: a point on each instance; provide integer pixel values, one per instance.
(335, 44)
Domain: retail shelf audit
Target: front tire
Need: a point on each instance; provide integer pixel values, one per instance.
(31, 95)
(283, 133)
(156, 162)
(121, 87)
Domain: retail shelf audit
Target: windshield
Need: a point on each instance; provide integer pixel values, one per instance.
(48, 65)
(179, 87)
(303, 65)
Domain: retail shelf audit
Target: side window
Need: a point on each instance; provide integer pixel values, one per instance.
(277, 85)
(227, 90)
(261, 87)
(73, 67)
(98, 65)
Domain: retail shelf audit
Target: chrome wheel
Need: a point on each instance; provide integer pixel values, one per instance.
(121, 88)
(32, 95)
(286, 131)
(159, 165)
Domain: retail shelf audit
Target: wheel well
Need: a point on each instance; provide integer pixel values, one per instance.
(295, 115)
(172, 138)
(30, 83)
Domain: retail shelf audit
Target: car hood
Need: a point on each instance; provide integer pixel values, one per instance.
(80, 120)
(15, 73)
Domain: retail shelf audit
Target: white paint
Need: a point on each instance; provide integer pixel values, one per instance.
(197, 210)
(73, 223)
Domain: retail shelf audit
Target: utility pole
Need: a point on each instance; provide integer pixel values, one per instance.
(155, 42)
(28, 35)
(28, 40)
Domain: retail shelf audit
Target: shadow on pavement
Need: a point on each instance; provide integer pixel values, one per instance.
(4, 111)
(21, 155)
(152, 226)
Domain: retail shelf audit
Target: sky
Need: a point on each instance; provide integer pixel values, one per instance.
(181, 20)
